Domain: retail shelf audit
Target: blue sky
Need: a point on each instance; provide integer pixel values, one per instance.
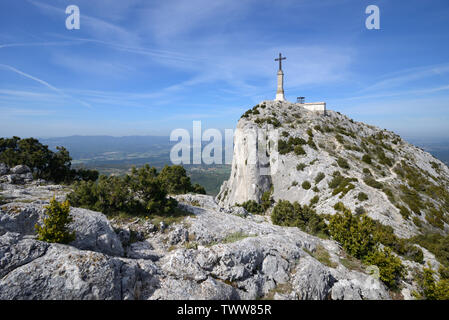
(140, 67)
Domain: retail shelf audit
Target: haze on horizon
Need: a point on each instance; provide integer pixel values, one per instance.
(147, 67)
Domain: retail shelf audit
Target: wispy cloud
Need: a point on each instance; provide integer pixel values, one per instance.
(93, 25)
(44, 83)
(407, 76)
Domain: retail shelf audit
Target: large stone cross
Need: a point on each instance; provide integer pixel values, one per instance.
(280, 60)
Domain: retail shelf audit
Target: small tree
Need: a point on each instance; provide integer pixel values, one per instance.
(390, 266)
(174, 179)
(354, 233)
(55, 227)
(432, 289)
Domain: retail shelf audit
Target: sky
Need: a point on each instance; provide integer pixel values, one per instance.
(142, 67)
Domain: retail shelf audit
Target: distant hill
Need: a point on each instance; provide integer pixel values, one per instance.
(116, 155)
(87, 147)
(439, 148)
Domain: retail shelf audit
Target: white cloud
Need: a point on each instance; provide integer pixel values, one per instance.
(44, 83)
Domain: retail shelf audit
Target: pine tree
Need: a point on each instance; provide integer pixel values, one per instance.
(55, 226)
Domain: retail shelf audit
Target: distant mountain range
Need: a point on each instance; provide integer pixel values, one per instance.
(90, 147)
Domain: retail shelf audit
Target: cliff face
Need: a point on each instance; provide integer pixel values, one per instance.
(330, 158)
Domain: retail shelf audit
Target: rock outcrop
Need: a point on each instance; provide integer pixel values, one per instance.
(20, 174)
(214, 253)
(297, 145)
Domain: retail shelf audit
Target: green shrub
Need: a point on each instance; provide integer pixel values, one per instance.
(360, 210)
(174, 179)
(294, 215)
(311, 143)
(417, 221)
(252, 207)
(197, 188)
(359, 236)
(309, 132)
(435, 243)
(55, 225)
(320, 176)
(390, 267)
(435, 218)
(383, 159)
(284, 147)
(294, 183)
(432, 289)
(343, 163)
(404, 247)
(301, 166)
(314, 200)
(292, 144)
(362, 196)
(146, 185)
(141, 192)
(405, 213)
(354, 233)
(340, 139)
(296, 141)
(373, 183)
(266, 199)
(306, 185)
(412, 199)
(367, 158)
(341, 185)
(299, 150)
(339, 206)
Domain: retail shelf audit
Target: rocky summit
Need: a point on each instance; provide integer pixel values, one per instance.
(222, 251)
(303, 154)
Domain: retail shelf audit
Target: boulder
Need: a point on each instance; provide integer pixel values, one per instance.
(62, 273)
(354, 285)
(15, 252)
(94, 232)
(21, 169)
(312, 280)
(92, 229)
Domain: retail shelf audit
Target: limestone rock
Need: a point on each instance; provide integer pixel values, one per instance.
(4, 169)
(63, 273)
(94, 232)
(354, 285)
(92, 229)
(15, 252)
(142, 250)
(312, 280)
(178, 235)
(20, 169)
(326, 139)
(180, 289)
